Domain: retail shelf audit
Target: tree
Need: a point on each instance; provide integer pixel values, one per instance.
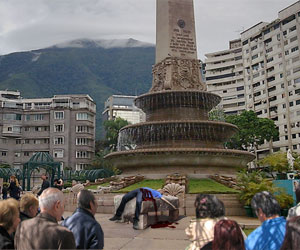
(278, 162)
(112, 128)
(253, 131)
(217, 114)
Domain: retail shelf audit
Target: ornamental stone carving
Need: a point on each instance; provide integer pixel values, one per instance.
(177, 74)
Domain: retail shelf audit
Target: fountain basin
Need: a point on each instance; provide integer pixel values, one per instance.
(179, 133)
(204, 161)
(177, 104)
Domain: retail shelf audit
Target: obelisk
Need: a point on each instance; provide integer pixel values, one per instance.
(175, 29)
(177, 66)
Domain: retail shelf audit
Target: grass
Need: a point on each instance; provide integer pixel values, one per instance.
(208, 186)
(196, 186)
(94, 187)
(248, 231)
(154, 184)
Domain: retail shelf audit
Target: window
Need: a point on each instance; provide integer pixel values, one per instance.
(255, 56)
(81, 166)
(82, 154)
(12, 117)
(39, 117)
(4, 153)
(83, 116)
(240, 88)
(82, 129)
(293, 28)
(18, 141)
(81, 141)
(58, 153)
(37, 129)
(17, 154)
(58, 140)
(294, 49)
(27, 117)
(26, 153)
(26, 141)
(59, 115)
(59, 128)
(26, 129)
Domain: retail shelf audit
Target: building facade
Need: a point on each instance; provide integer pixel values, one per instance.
(271, 77)
(63, 126)
(122, 106)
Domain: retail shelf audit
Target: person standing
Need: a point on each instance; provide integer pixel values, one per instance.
(295, 211)
(9, 220)
(292, 235)
(45, 184)
(43, 231)
(271, 233)
(13, 189)
(87, 231)
(29, 205)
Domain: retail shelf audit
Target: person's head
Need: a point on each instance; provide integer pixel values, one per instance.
(209, 206)
(265, 205)
(44, 177)
(13, 178)
(292, 234)
(9, 215)
(52, 202)
(297, 192)
(86, 200)
(29, 205)
(228, 236)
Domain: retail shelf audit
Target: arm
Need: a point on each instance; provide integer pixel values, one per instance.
(97, 238)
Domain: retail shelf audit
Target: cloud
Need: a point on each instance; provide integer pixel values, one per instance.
(34, 24)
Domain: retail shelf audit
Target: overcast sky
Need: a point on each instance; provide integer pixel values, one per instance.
(33, 24)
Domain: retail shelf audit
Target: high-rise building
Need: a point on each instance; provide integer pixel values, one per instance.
(122, 106)
(270, 80)
(63, 126)
(224, 76)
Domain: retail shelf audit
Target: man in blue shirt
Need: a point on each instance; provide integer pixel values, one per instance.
(270, 234)
(141, 194)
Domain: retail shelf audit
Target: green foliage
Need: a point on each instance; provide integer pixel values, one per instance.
(278, 162)
(285, 200)
(255, 182)
(252, 130)
(217, 114)
(208, 186)
(252, 188)
(4, 165)
(112, 128)
(154, 184)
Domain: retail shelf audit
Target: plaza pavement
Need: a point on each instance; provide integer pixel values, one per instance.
(121, 236)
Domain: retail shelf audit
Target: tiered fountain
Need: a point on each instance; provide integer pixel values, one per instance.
(177, 136)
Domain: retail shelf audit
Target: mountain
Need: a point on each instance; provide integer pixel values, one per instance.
(99, 68)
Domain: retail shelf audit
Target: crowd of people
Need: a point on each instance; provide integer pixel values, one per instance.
(28, 222)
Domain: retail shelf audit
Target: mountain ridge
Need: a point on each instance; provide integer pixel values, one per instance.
(90, 69)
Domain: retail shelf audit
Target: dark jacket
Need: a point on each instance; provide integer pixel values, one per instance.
(24, 216)
(43, 232)
(44, 186)
(6, 242)
(87, 231)
(14, 191)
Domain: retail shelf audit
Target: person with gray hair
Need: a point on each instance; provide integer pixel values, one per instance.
(87, 231)
(270, 234)
(43, 231)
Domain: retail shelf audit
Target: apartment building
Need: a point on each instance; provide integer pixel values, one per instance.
(271, 77)
(122, 106)
(224, 76)
(63, 126)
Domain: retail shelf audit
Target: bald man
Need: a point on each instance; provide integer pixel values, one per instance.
(43, 231)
